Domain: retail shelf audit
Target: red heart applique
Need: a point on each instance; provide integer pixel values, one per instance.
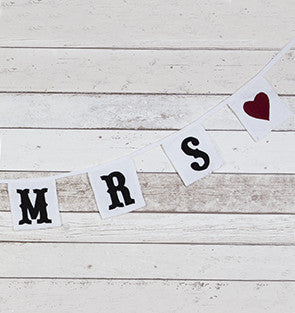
(259, 107)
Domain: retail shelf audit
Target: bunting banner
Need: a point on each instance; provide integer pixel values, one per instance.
(116, 188)
(194, 155)
(259, 108)
(34, 203)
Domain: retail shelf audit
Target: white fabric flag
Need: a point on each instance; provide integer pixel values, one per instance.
(116, 188)
(34, 203)
(259, 108)
(192, 153)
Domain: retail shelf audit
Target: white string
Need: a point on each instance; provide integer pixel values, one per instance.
(276, 58)
(197, 122)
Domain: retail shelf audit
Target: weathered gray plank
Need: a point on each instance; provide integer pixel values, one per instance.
(120, 296)
(125, 71)
(220, 193)
(166, 193)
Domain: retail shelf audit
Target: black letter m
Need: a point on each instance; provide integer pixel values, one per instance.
(39, 208)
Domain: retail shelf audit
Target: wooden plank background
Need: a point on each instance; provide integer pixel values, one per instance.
(85, 82)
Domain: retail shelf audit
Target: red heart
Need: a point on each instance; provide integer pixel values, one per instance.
(259, 107)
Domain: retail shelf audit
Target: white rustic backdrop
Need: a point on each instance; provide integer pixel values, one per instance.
(85, 82)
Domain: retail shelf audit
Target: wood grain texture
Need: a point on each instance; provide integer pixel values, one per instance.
(95, 80)
(36, 260)
(122, 111)
(65, 150)
(161, 228)
(64, 295)
(139, 71)
(180, 24)
(224, 193)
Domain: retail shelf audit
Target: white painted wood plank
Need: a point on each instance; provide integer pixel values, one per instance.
(117, 111)
(32, 260)
(59, 150)
(147, 24)
(161, 228)
(167, 296)
(216, 193)
(138, 71)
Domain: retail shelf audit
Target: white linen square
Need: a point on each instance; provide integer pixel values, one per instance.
(34, 203)
(259, 108)
(116, 188)
(192, 153)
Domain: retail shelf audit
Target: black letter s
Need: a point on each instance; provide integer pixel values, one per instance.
(196, 153)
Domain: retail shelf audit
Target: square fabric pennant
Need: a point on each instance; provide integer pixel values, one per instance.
(259, 108)
(192, 153)
(116, 188)
(34, 203)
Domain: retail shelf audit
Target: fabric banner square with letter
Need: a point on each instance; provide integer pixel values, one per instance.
(34, 203)
(116, 188)
(192, 153)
